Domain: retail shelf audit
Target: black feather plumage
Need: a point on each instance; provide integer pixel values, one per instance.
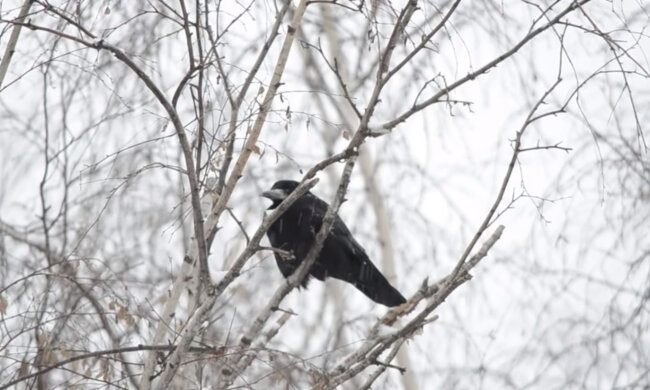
(341, 256)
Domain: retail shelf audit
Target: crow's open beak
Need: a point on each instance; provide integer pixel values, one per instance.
(274, 194)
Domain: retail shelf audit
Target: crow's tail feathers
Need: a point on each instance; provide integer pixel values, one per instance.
(371, 282)
(385, 293)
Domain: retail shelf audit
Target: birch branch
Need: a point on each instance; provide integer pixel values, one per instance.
(237, 101)
(358, 361)
(260, 120)
(483, 69)
(13, 41)
(191, 328)
(185, 277)
(376, 345)
(348, 114)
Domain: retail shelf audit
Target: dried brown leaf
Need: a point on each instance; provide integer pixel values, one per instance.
(3, 305)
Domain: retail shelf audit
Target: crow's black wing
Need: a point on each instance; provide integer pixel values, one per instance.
(344, 258)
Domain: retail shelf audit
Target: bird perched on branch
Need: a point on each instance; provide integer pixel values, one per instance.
(341, 257)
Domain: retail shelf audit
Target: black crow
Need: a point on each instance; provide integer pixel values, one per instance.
(341, 257)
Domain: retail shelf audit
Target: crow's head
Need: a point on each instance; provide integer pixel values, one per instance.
(280, 190)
